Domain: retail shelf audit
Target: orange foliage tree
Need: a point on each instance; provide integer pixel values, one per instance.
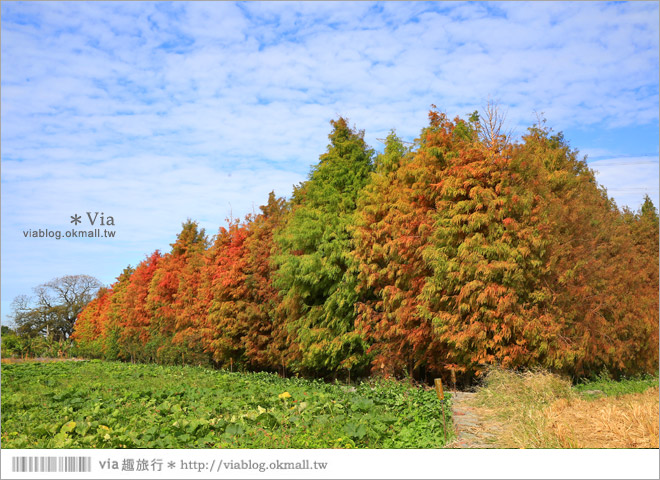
(393, 224)
(266, 339)
(225, 323)
(133, 315)
(91, 324)
(467, 249)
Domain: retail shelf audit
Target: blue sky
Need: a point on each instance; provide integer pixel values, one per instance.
(155, 112)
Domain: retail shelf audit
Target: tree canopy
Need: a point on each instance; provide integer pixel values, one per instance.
(53, 308)
(464, 249)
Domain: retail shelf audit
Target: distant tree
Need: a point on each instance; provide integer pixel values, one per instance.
(53, 309)
(5, 330)
(11, 345)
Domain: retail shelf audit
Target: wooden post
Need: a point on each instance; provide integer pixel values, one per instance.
(438, 389)
(441, 395)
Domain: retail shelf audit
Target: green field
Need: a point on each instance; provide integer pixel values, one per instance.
(604, 386)
(94, 404)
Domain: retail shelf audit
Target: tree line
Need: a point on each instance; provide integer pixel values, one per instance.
(462, 250)
(43, 322)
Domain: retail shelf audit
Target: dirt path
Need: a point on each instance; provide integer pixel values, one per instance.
(472, 430)
(42, 360)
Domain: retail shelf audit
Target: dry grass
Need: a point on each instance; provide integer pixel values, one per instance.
(12, 360)
(627, 421)
(517, 401)
(542, 410)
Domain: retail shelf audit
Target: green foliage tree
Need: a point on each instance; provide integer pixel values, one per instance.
(316, 274)
(12, 344)
(5, 330)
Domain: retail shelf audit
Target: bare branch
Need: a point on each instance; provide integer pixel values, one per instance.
(492, 127)
(55, 307)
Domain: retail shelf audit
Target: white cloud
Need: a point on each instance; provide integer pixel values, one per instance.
(628, 179)
(144, 110)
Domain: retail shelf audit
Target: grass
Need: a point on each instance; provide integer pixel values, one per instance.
(94, 404)
(603, 385)
(516, 401)
(618, 421)
(542, 410)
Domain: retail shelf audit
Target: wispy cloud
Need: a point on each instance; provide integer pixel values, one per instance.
(155, 112)
(628, 179)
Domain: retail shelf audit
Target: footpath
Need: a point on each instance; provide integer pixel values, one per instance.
(472, 431)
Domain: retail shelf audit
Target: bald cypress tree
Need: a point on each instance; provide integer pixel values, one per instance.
(265, 338)
(316, 273)
(485, 252)
(173, 286)
(392, 228)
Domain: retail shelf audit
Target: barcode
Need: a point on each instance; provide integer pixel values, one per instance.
(51, 464)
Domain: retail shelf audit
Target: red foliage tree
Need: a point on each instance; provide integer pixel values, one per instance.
(226, 284)
(90, 329)
(266, 337)
(190, 307)
(170, 294)
(134, 318)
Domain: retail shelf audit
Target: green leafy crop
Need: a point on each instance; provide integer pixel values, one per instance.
(99, 404)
